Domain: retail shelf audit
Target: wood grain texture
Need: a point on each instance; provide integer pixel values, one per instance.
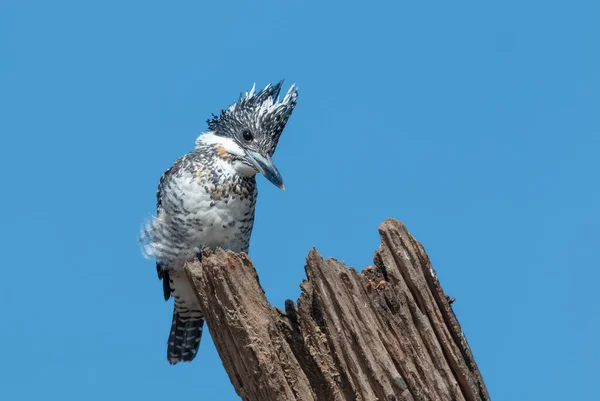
(387, 333)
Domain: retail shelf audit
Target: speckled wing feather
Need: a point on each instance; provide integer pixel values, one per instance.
(163, 274)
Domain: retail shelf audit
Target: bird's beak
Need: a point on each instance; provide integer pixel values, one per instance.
(265, 166)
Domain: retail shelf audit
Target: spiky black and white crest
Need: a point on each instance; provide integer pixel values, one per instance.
(261, 112)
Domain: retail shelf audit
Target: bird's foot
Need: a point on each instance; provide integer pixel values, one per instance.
(381, 283)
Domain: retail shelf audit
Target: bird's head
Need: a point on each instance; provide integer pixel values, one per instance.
(247, 132)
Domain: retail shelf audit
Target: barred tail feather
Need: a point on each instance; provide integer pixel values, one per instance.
(184, 339)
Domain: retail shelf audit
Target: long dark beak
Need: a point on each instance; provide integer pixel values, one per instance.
(265, 166)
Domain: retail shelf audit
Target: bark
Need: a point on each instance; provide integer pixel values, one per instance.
(387, 333)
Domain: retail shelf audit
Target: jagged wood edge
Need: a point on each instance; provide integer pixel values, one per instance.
(304, 376)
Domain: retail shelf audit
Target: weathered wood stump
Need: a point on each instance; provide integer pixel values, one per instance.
(387, 333)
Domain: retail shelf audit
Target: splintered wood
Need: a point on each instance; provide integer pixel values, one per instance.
(387, 333)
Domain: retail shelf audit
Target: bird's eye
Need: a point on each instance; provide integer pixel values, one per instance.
(247, 135)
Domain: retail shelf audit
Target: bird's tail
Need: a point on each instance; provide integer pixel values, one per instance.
(184, 339)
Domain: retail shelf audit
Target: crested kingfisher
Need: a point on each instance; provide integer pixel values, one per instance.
(207, 199)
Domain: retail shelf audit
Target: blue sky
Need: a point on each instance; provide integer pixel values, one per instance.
(475, 124)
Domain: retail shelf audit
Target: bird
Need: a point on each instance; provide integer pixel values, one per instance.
(206, 199)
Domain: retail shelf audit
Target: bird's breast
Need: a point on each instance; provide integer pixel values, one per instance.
(214, 213)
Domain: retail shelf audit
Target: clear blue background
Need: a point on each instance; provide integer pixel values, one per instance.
(475, 124)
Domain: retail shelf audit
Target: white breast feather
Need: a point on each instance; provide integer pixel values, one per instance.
(216, 218)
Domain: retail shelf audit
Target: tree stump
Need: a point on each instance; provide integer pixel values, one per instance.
(387, 333)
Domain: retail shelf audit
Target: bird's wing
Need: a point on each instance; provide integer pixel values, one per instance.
(163, 274)
(163, 180)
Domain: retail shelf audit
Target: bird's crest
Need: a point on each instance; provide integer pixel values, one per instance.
(261, 110)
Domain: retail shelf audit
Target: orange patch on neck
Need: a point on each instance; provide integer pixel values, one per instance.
(223, 154)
